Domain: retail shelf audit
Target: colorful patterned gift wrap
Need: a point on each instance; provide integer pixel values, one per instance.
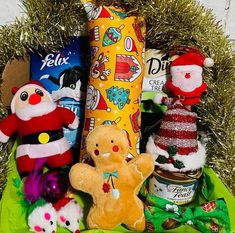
(116, 75)
(210, 217)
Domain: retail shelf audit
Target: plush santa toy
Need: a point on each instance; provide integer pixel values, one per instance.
(39, 124)
(186, 77)
(175, 147)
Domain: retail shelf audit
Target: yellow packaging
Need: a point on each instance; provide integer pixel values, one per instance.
(115, 83)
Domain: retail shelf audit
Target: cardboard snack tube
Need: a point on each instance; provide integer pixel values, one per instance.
(117, 43)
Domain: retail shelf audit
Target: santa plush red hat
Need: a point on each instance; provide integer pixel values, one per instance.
(192, 58)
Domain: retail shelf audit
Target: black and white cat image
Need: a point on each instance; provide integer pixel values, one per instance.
(72, 83)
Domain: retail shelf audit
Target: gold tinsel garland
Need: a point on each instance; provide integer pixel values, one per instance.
(170, 23)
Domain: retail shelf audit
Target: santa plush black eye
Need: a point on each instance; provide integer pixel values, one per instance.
(111, 141)
(43, 230)
(72, 86)
(67, 223)
(51, 222)
(24, 95)
(39, 92)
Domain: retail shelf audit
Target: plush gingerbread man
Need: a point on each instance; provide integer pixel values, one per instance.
(113, 183)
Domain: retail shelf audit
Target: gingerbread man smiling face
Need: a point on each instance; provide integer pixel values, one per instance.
(107, 145)
(113, 183)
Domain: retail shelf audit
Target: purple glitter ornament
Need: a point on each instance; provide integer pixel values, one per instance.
(53, 186)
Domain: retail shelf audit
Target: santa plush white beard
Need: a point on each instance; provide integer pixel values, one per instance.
(186, 84)
(40, 109)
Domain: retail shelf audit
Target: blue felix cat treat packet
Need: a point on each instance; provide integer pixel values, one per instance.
(65, 76)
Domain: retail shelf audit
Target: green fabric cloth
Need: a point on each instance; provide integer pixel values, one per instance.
(13, 217)
(162, 214)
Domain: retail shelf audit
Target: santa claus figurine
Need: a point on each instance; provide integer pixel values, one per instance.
(39, 124)
(175, 147)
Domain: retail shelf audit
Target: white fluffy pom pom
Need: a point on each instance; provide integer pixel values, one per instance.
(208, 62)
(158, 98)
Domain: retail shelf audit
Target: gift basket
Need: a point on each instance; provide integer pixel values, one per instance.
(120, 119)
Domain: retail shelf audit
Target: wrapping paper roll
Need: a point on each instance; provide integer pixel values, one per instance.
(115, 82)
